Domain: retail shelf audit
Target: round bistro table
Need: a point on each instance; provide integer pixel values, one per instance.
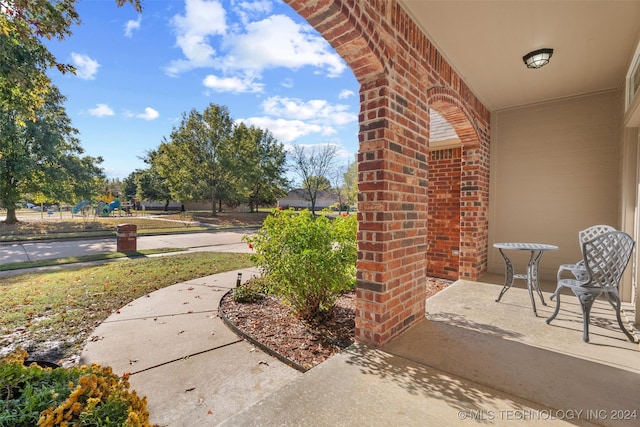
(531, 276)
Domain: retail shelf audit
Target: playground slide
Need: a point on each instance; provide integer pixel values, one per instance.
(105, 209)
(77, 208)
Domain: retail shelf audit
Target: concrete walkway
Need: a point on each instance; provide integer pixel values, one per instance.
(192, 368)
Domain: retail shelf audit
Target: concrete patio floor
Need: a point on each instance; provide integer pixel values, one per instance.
(503, 345)
(473, 361)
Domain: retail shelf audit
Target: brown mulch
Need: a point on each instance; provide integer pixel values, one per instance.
(307, 344)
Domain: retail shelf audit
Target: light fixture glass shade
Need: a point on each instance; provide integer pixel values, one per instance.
(537, 58)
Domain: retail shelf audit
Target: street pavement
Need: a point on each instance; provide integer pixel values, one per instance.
(211, 241)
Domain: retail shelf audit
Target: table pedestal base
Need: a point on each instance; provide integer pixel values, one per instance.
(531, 277)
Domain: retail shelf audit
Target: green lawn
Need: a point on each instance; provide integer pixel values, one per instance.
(65, 306)
(37, 226)
(32, 227)
(84, 258)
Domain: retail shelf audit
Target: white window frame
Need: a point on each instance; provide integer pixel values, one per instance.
(633, 79)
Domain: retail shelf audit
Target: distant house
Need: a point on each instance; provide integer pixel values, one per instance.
(299, 199)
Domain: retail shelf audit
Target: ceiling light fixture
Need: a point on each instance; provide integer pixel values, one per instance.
(537, 58)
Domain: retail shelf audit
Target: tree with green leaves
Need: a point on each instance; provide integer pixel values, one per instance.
(113, 187)
(130, 183)
(209, 158)
(31, 117)
(24, 24)
(338, 186)
(150, 185)
(258, 166)
(350, 184)
(77, 177)
(195, 159)
(43, 156)
(313, 167)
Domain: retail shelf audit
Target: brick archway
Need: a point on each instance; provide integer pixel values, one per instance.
(453, 239)
(400, 74)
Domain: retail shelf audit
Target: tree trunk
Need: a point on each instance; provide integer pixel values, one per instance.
(213, 208)
(11, 216)
(166, 205)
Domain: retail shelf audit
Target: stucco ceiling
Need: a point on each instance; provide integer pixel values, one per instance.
(484, 41)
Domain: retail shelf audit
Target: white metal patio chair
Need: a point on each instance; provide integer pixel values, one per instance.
(578, 269)
(605, 258)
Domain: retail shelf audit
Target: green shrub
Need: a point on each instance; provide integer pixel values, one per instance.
(251, 291)
(306, 260)
(79, 396)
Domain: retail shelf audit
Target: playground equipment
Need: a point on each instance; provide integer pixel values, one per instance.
(114, 205)
(105, 209)
(78, 208)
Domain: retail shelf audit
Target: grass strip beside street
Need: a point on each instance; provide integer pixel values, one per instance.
(70, 228)
(85, 258)
(64, 307)
(99, 233)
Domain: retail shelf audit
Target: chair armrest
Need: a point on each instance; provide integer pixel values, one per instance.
(578, 270)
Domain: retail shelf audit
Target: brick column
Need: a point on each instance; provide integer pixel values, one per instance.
(402, 75)
(392, 213)
(126, 238)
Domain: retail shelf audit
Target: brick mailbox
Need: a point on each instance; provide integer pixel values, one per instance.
(126, 237)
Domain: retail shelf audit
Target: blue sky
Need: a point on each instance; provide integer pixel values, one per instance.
(138, 73)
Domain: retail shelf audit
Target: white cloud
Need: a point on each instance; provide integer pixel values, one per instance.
(149, 114)
(317, 110)
(101, 110)
(86, 67)
(132, 25)
(292, 46)
(202, 19)
(346, 93)
(291, 118)
(247, 47)
(232, 84)
(247, 10)
(263, 6)
(282, 129)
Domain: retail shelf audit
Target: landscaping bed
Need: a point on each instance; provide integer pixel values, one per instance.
(307, 344)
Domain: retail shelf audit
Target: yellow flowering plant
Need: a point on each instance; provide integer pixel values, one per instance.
(77, 396)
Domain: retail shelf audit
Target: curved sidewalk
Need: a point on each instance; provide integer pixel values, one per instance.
(192, 368)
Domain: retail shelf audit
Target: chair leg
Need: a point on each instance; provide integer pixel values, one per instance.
(553, 295)
(555, 312)
(614, 300)
(586, 301)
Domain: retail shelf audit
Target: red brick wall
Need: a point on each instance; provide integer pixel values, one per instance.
(402, 75)
(443, 235)
(473, 132)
